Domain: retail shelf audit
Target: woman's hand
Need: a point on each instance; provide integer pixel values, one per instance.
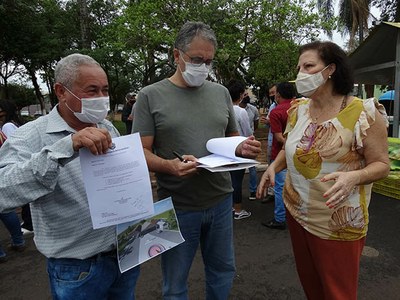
(267, 179)
(343, 187)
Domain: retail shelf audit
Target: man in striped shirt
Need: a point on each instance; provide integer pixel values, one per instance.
(40, 165)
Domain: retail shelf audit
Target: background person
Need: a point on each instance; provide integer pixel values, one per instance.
(265, 120)
(254, 117)
(40, 165)
(236, 90)
(9, 122)
(181, 114)
(9, 117)
(336, 147)
(285, 93)
(126, 115)
(11, 220)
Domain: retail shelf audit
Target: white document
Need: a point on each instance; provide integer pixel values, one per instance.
(117, 183)
(223, 156)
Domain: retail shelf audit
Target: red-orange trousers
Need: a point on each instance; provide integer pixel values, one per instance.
(328, 269)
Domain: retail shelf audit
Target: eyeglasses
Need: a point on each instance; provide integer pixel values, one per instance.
(198, 61)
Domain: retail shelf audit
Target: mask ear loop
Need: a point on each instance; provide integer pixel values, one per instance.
(66, 104)
(330, 75)
(181, 57)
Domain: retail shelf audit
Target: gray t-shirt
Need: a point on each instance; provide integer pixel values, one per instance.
(242, 121)
(253, 114)
(183, 120)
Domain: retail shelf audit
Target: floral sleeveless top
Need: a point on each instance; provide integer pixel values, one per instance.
(313, 150)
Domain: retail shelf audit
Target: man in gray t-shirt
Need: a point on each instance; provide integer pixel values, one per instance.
(181, 114)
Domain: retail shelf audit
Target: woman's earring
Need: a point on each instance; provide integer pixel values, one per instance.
(329, 76)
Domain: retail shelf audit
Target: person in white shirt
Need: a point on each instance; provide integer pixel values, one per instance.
(237, 89)
(254, 117)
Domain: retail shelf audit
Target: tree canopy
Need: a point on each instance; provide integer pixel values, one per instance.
(133, 39)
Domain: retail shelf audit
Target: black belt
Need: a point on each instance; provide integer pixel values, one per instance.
(111, 253)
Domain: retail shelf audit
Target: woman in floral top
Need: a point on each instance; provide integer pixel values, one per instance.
(336, 146)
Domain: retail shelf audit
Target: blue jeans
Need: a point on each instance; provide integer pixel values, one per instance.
(252, 179)
(237, 182)
(279, 211)
(212, 229)
(269, 146)
(11, 221)
(90, 279)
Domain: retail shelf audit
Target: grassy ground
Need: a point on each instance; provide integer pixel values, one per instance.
(120, 126)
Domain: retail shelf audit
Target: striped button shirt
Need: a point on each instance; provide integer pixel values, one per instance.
(39, 166)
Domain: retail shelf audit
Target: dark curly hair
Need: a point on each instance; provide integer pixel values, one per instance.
(330, 53)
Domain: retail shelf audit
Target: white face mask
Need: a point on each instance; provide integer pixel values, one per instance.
(307, 84)
(194, 75)
(93, 110)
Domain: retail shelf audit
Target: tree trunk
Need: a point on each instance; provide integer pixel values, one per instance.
(83, 19)
(369, 90)
(360, 33)
(4, 90)
(38, 93)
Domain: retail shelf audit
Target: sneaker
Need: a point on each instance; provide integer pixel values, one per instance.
(252, 196)
(26, 231)
(274, 224)
(242, 214)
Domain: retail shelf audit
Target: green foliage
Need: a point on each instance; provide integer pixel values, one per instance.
(21, 95)
(35, 34)
(133, 40)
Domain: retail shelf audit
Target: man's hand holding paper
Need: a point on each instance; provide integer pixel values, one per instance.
(96, 140)
(249, 148)
(224, 154)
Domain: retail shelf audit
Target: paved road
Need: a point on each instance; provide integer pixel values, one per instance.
(265, 265)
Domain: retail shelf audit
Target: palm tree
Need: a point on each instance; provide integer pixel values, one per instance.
(353, 17)
(390, 9)
(326, 7)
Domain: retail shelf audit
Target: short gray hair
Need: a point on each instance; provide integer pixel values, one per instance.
(66, 69)
(190, 30)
